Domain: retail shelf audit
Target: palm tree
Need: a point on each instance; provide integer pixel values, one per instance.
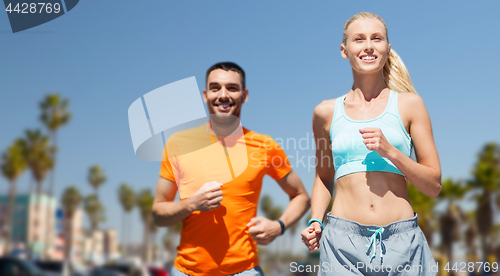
(176, 229)
(275, 214)
(95, 211)
(496, 232)
(93, 206)
(54, 115)
(470, 236)
(152, 228)
(38, 155)
(13, 165)
(127, 200)
(450, 221)
(293, 230)
(70, 201)
(144, 202)
(167, 241)
(96, 178)
(486, 177)
(266, 205)
(423, 205)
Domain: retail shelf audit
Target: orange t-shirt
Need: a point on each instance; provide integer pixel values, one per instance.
(217, 242)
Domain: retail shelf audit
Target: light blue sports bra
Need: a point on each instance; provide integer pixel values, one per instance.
(351, 155)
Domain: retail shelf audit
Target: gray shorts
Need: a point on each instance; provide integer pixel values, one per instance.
(350, 248)
(256, 271)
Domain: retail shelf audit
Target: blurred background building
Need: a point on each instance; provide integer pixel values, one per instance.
(37, 232)
(74, 233)
(110, 244)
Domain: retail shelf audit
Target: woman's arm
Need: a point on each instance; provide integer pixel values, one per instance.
(425, 174)
(325, 174)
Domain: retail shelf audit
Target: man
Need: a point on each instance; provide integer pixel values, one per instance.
(220, 230)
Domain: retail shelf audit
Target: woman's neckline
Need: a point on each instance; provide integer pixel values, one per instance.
(369, 120)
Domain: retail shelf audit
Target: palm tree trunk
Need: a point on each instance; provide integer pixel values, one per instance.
(92, 244)
(37, 214)
(10, 224)
(129, 232)
(146, 241)
(485, 245)
(52, 172)
(123, 233)
(32, 183)
(68, 239)
(449, 253)
(48, 228)
(152, 247)
(48, 240)
(485, 222)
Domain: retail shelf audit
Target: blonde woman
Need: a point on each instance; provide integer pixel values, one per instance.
(363, 142)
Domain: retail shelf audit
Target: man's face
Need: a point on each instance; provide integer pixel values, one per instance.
(224, 94)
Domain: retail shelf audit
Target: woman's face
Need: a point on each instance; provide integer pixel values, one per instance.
(367, 48)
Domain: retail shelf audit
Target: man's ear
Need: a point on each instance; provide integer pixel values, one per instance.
(205, 95)
(245, 95)
(343, 51)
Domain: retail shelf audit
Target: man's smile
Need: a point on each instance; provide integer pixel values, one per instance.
(224, 107)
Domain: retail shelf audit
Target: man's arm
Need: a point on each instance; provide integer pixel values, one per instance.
(166, 212)
(299, 199)
(263, 230)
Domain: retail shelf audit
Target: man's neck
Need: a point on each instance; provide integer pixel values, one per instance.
(223, 128)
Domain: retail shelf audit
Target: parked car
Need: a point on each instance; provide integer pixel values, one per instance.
(12, 266)
(127, 269)
(99, 271)
(157, 271)
(60, 268)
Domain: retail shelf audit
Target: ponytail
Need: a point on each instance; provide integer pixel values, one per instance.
(396, 77)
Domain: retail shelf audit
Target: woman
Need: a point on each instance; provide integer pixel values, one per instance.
(372, 229)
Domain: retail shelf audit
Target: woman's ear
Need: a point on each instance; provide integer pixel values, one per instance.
(343, 51)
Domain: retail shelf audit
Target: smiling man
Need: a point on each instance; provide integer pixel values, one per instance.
(218, 198)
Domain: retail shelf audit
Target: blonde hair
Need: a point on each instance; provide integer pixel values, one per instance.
(396, 76)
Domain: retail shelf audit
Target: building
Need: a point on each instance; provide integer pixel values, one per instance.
(110, 244)
(31, 225)
(93, 247)
(73, 234)
(100, 246)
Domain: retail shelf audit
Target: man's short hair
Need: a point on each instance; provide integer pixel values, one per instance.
(228, 66)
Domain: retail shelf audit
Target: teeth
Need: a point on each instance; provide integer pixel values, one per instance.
(368, 57)
(225, 106)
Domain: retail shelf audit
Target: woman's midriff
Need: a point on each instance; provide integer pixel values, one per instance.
(372, 198)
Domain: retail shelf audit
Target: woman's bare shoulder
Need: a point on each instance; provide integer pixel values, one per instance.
(412, 103)
(322, 116)
(325, 109)
(410, 98)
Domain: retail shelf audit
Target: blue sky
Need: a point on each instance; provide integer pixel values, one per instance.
(103, 55)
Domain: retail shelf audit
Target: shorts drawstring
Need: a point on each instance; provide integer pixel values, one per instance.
(374, 238)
